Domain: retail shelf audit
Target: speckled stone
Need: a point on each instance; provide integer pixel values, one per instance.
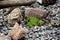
(3, 37)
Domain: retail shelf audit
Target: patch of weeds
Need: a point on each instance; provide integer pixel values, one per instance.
(33, 21)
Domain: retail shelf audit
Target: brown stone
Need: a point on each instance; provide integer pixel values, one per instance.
(17, 32)
(9, 3)
(40, 13)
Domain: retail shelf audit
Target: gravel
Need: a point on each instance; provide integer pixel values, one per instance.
(38, 33)
(43, 34)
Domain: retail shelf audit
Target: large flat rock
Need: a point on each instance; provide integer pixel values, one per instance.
(37, 12)
(9, 3)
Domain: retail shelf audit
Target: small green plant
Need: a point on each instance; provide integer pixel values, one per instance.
(33, 21)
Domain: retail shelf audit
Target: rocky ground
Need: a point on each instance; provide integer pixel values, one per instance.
(50, 14)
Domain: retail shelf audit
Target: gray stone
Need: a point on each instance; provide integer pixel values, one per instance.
(55, 21)
(30, 36)
(1, 11)
(49, 31)
(31, 33)
(5, 18)
(30, 39)
(14, 16)
(27, 36)
(9, 28)
(35, 29)
(37, 39)
(35, 5)
(22, 23)
(37, 35)
(0, 24)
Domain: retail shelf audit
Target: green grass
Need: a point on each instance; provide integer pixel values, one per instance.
(33, 21)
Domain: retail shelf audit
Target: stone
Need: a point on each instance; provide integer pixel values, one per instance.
(4, 30)
(35, 5)
(23, 23)
(1, 17)
(1, 20)
(35, 29)
(37, 39)
(14, 16)
(46, 2)
(18, 32)
(9, 3)
(40, 1)
(30, 39)
(30, 34)
(0, 24)
(26, 36)
(5, 18)
(3, 37)
(57, 22)
(37, 35)
(39, 13)
(1, 11)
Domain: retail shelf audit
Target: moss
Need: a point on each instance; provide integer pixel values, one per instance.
(33, 21)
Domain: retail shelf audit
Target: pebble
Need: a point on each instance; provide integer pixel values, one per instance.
(0, 24)
(37, 39)
(1, 20)
(36, 34)
(35, 5)
(30, 36)
(3, 37)
(27, 36)
(22, 23)
(1, 11)
(30, 39)
(35, 29)
(14, 16)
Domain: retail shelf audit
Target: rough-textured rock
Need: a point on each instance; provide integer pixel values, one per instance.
(9, 3)
(17, 32)
(3, 37)
(14, 16)
(46, 2)
(40, 13)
